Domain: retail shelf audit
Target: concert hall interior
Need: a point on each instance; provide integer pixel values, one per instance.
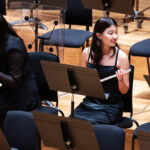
(128, 36)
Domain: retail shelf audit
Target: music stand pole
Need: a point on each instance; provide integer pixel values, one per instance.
(36, 23)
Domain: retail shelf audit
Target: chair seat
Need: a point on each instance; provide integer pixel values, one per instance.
(48, 110)
(141, 48)
(125, 123)
(144, 127)
(72, 37)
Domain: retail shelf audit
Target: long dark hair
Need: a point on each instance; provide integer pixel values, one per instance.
(5, 30)
(96, 50)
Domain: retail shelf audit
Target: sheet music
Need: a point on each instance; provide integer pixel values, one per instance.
(112, 76)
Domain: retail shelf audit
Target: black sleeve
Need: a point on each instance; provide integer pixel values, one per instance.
(15, 66)
(3, 7)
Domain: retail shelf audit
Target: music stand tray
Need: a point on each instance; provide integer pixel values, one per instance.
(65, 133)
(73, 79)
(3, 142)
(118, 6)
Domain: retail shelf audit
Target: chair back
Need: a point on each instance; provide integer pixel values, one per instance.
(104, 134)
(128, 96)
(44, 89)
(20, 131)
(76, 14)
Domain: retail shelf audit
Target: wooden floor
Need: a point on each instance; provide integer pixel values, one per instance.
(141, 90)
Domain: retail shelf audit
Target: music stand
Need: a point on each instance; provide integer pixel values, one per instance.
(118, 6)
(65, 133)
(73, 79)
(3, 142)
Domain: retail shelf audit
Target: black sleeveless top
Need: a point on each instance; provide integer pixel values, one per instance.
(107, 111)
(110, 86)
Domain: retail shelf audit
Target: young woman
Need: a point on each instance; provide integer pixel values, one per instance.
(105, 55)
(18, 90)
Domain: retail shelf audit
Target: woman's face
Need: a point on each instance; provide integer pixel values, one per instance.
(109, 37)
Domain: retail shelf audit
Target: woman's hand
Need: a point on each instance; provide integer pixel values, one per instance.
(120, 74)
(123, 80)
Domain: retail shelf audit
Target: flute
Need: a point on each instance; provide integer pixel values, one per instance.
(113, 76)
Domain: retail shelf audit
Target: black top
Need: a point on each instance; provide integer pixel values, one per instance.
(3, 7)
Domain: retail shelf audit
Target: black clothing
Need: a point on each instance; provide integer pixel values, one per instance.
(103, 111)
(3, 7)
(19, 90)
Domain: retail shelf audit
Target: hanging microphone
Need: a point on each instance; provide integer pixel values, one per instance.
(26, 18)
(30, 45)
(51, 49)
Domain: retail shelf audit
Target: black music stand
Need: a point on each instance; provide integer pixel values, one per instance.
(3, 142)
(36, 5)
(65, 133)
(73, 79)
(118, 6)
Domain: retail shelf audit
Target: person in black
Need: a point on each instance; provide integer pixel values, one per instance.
(18, 89)
(105, 55)
(3, 7)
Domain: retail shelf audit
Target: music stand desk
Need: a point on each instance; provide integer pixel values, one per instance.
(118, 6)
(62, 77)
(65, 133)
(73, 79)
(3, 142)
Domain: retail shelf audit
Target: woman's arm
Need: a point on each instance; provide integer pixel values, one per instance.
(15, 66)
(123, 77)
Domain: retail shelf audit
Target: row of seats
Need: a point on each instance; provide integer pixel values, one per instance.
(47, 94)
(21, 132)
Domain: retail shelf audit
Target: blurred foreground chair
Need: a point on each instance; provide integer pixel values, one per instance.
(110, 137)
(20, 131)
(76, 14)
(46, 95)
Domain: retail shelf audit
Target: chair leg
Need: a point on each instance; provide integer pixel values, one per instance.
(87, 43)
(129, 58)
(82, 47)
(41, 46)
(132, 144)
(57, 51)
(147, 77)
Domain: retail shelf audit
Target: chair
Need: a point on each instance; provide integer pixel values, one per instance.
(20, 130)
(46, 95)
(138, 16)
(143, 134)
(127, 122)
(141, 128)
(105, 134)
(76, 14)
(142, 49)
